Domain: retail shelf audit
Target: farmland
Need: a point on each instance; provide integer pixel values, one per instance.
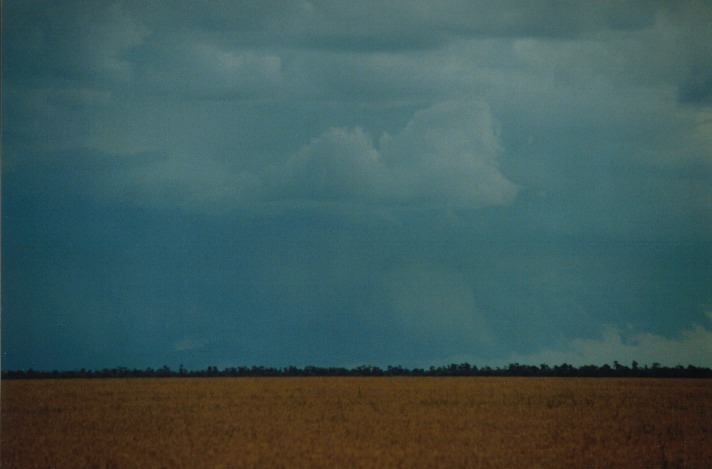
(357, 422)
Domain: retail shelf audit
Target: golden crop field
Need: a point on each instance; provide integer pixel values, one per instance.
(356, 422)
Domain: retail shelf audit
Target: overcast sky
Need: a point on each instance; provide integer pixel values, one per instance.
(342, 183)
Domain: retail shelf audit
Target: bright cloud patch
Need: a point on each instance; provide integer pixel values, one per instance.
(445, 157)
(341, 164)
(448, 155)
(691, 346)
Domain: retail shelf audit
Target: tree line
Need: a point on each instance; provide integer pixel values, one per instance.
(618, 370)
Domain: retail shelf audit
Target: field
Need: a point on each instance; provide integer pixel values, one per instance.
(356, 422)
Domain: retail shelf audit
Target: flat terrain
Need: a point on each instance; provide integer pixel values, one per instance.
(356, 422)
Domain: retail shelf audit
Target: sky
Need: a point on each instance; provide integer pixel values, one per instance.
(340, 183)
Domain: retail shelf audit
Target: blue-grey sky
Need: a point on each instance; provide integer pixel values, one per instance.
(356, 182)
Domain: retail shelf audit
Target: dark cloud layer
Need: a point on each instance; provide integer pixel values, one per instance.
(339, 183)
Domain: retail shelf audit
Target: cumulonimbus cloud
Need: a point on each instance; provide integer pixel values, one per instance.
(446, 157)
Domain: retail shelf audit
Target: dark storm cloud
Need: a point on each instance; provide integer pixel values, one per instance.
(71, 41)
(404, 25)
(94, 41)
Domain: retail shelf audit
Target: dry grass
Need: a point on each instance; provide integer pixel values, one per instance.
(357, 422)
